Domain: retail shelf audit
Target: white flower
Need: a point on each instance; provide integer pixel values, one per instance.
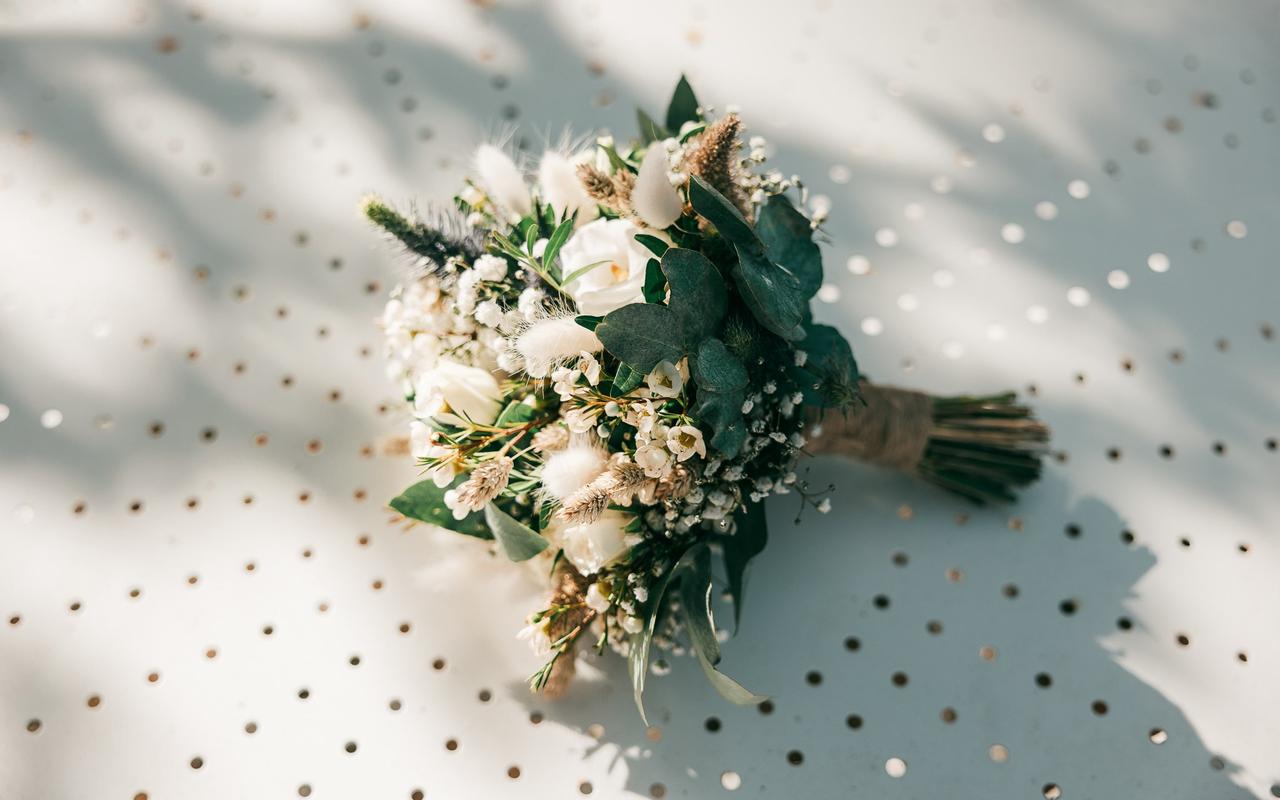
(653, 459)
(665, 380)
(490, 267)
(568, 470)
(535, 633)
(530, 303)
(589, 367)
(632, 624)
(450, 392)
(552, 340)
(581, 420)
(641, 593)
(489, 313)
(617, 277)
(824, 505)
(422, 444)
(471, 195)
(561, 189)
(597, 599)
(451, 501)
(503, 181)
(684, 441)
(653, 198)
(468, 283)
(595, 544)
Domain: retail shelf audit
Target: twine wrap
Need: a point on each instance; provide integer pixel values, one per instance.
(891, 430)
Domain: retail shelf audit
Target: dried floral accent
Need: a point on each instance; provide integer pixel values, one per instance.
(551, 439)
(588, 503)
(394, 446)
(715, 160)
(675, 486)
(485, 483)
(568, 592)
(624, 182)
(625, 478)
(598, 184)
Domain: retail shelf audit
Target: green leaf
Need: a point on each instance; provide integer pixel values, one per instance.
(716, 209)
(588, 321)
(626, 380)
(655, 283)
(721, 381)
(829, 376)
(747, 542)
(695, 595)
(618, 163)
(638, 656)
(774, 295)
(698, 295)
(424, 501)
(683, 106)
(641, 335)
(788, 241)
(580, 271)
(649, 130)
(656, 246)
(517, 540)
(554, 242)
(715, 369)
(517, 412)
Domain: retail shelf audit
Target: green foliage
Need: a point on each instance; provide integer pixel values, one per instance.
(438, 239)
(829, 377)
(698, 295)
(724, 215)
(655, 283)
(626, 380)
(517, 412)
(695, 597)
(518, 541)
(641, 335)
(638, 656)
(774, 295)
(788, 241)
(424, 501)
(721, 381)
(653, 243)
(649, 129)
(746, 543)
(683, 106)
(554, 242)
(588, 321)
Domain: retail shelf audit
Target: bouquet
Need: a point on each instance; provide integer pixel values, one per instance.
(610, 371)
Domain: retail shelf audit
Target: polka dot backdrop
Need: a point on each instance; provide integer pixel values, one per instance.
(202, 593)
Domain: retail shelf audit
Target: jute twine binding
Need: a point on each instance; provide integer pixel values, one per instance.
(568, 588)
(891, 430)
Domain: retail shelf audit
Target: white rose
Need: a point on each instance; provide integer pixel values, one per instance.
(616, 282)
(590, 547)
(450, 392)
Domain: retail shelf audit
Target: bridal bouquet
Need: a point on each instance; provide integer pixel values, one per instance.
(610, 370)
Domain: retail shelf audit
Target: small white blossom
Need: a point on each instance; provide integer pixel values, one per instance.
(489, 313)
(641, 593)
(632, 624)
(770, 387)
(665, 380)
(490, 268)
(824, 506)
(684, 441)
(597, 598)
(535, 633)
(801, 358)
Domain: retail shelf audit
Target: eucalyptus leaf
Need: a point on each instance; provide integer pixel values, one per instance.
(424, 501)
(518, 541)
(774, 295)
(788, 241)
(699, 298)
(683, 106)
(655, 283)
(641, 335)
(715, 369)
(626, 380)
(716, 209)
(588, 321)
(653, 243)
(830, 373)
(638, 655)
(747, 542)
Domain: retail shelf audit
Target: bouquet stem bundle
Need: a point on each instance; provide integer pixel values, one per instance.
(979, 447)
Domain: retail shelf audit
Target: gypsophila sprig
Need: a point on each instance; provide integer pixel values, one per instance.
(609, 368)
